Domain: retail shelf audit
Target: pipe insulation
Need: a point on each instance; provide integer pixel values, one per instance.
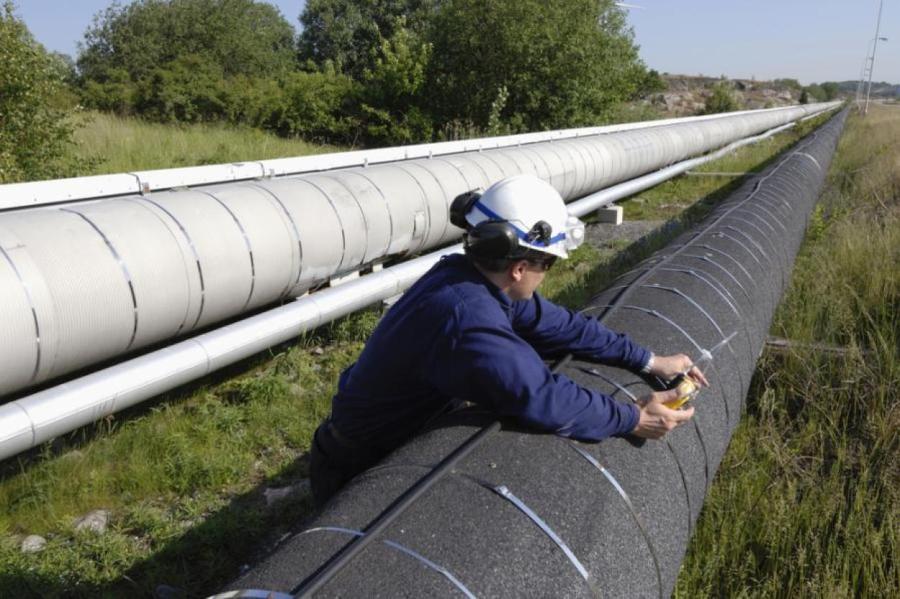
(40, 193)
(34, 419)
(87, 282)
(536, 515)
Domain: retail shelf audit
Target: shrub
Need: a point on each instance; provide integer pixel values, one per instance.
(721, 100)
(34, 135)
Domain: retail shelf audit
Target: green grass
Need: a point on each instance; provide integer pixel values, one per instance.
(184, 477)
(106, 143)
(806, 500)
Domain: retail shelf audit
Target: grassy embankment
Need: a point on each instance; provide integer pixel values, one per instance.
(807, 500)
(184, 477)
(106, 143)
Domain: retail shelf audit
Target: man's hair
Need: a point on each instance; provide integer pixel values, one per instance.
(499, 265)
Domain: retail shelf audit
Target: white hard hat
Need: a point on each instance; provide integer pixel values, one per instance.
(535, 211)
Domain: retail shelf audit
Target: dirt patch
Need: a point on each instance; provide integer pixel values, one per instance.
(615, 237)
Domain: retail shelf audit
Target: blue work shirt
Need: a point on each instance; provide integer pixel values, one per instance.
(454, 334)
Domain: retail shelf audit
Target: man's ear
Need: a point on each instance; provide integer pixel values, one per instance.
(517, 270)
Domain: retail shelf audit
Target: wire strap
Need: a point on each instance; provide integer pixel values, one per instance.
(637, 519)
(505, 493)
(394, 545)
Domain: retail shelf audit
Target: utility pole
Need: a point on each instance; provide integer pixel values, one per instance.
(874, 47)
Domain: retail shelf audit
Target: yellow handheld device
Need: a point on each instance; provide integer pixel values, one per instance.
(687, 387)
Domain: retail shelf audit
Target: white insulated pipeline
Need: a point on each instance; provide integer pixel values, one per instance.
(35, 419)
(87, 282)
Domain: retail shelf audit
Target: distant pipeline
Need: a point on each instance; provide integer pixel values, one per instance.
(513, 513)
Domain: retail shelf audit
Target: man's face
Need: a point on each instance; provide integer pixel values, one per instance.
(527, 277)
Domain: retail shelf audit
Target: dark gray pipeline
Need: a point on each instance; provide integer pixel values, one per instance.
(526, 514)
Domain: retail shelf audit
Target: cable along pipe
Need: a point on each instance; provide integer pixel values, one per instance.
(629, 529)
(218, 251)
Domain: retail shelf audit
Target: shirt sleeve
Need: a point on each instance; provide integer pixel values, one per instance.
(489, 364)
(555, 331)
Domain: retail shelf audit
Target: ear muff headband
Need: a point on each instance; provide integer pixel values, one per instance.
(526, 236)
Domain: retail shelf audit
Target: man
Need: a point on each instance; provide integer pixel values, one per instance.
(474, 329)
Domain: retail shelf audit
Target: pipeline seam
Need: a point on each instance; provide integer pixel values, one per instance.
(387, 207)
(293, 223)
(634, 399)
(34, 316)
(362, 213)
(340, 266)
(447, 198)
(403, 549)
(122, 267)
(247, 244)
(504, 492)
(628, 503)
(196, 259)
(425, 204)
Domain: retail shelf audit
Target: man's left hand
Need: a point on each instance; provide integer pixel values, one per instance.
(668, 367)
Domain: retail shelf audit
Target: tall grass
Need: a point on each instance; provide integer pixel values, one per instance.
(807, 499)
(105, 143)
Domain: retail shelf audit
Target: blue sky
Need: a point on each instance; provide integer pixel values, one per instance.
(811, 40)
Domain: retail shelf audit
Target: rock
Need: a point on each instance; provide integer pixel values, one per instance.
(33, 544)
(275, 494)
(318, 351)
(95, 521)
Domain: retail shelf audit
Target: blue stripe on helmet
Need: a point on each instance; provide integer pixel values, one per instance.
(523, 235)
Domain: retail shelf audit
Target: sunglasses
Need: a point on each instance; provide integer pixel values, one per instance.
(544, 263)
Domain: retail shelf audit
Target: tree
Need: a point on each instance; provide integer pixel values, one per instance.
(392, 90)
(34, 135)
(830, 90)
(556, 64)
(721, 100)
(238, 36)
(347, 33)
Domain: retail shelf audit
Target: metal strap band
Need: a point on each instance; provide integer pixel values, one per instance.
(394, 545)
(616, 384)
(768, 212)
(722, 268)
(505, 493)
(37, 326)
(722, 292)
(387, 206)
(687, 495)
(196, 260)
(358, 205)
(247, 243)
(752, 241)
(425, 204)
(447, 198)
(337, 214)
(122, 266)
(816, 162)
(294, 228)
(733, 259)
(634, 514)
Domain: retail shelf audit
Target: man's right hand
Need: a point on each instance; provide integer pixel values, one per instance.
(656, 419)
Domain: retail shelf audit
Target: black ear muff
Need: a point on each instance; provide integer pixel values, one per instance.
(492, 239)
(460, 207)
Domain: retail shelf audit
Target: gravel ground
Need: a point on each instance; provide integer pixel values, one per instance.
(611, 237)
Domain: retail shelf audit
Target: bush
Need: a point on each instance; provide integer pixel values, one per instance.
(34, 135)
(317, 106)
(190, 89)
(721, 100)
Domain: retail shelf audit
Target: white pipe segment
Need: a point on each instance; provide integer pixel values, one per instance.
(88, 282)
(39, 193)
(37, 418)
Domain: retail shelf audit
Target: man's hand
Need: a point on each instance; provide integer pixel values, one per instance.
(668, 367)
(656, 419)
